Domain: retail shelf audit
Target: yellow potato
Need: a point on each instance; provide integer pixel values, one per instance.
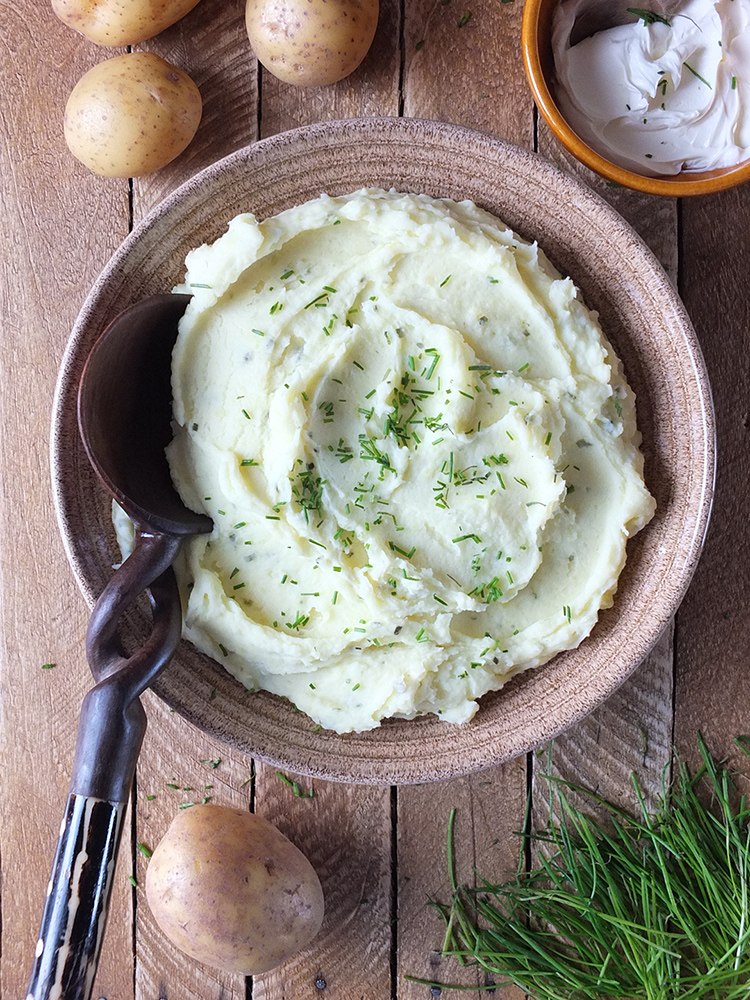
(131, 115)
(121, 22)
(311, 42)
(230, 890)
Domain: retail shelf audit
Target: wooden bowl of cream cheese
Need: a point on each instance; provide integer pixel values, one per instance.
(641, 316)
(583, 139)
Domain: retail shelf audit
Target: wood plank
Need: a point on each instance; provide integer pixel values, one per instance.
(345, 831)
(471, 75)
(371, 90)
(713, 626)
(490, 809)
(175, 753)
(210, 45)
(60, 224)
(632, 731)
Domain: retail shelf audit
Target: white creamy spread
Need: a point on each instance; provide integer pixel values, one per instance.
(418, 451)
(659, 98)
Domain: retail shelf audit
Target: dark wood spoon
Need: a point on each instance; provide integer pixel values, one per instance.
(124, 417)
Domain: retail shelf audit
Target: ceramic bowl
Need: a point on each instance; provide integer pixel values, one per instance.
(641, 315)
(536, 45)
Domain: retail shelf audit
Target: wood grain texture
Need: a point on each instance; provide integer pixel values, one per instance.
(470, 74)
(178, 765)
(60, 225)
(379, 853)
(713, 626)
(489, 812)
(210, 44)
(345, 831)
(653, 218)
(632, 731)
(373, 88)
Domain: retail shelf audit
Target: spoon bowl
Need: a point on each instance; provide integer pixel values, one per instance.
(125, 411)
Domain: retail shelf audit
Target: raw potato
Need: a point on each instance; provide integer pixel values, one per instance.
(131, 115)
(310, 43)
(230, 890)
(121, 22)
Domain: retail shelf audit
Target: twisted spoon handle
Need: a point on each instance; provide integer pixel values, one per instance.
(110, 733)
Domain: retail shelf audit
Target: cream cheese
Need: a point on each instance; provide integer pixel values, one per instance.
(658, 98)
(417, 448)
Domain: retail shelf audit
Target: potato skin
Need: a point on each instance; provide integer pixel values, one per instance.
(120, 22)
(310, 43)
(230, 890)
(131, 115)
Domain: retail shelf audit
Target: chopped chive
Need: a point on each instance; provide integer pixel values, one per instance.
(403, 552)
(295, 787)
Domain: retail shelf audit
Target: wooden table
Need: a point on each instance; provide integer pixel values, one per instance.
(379, 851)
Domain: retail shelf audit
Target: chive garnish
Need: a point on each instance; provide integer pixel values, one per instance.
(295, 787)
(696, 73)
(648, 16)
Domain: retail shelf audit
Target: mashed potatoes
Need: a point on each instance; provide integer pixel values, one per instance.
(418, 451)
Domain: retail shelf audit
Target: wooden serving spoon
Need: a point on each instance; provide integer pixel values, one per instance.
(124, 417)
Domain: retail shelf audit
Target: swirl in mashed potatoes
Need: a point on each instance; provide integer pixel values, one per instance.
(417, 448)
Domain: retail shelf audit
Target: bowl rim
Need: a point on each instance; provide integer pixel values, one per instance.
(681, 185)
(373, 765)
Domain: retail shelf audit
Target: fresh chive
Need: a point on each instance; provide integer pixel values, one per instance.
(648, 16)
(696, 73)
(403, 552)
(651, 905)
(295, 787)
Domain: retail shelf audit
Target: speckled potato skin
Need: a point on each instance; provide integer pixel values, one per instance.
(131, 115)
(231, 890)
(310, 43)
(120, 22)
